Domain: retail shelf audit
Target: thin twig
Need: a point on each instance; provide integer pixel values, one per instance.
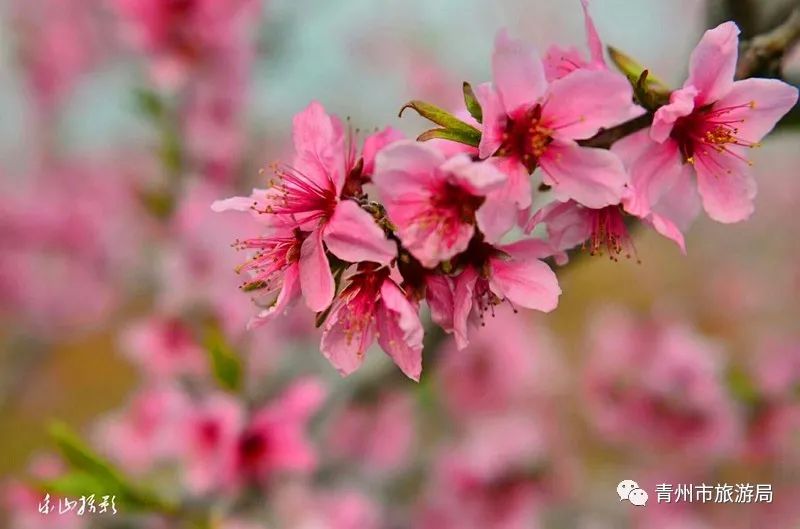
(762, 55)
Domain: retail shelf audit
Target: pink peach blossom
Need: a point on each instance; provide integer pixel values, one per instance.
(658, 384)
(226, 449)
(435, 203)
(711, 123)
(373, 306)
(489, 478)
(182, 36)
(537, 123)
(508, 364)
(512, 273)
(378, 436)
(143, 434)
(307, 197)
(163, 347)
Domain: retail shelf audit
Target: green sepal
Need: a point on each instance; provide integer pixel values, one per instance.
(452, 135)
(649, 91)
(472, 104)
(460, 131)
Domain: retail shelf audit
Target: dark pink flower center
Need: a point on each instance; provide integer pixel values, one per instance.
(710, 130)
(175, 335)
(273, 256)
(360, 299)
(526, 137)
(300, 196)
(453, 204)
(609, 233)
(252, 448)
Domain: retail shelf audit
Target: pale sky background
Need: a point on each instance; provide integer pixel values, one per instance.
(326, 50)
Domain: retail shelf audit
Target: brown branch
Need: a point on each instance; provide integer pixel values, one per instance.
(762, 55)
(606, 137)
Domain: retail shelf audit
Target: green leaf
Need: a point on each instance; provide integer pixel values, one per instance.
(80, 456)
(225, 363)
(442, 118)
(149, 103)
(473, 106)
(452, 135)
(92, 474)
(742, 387)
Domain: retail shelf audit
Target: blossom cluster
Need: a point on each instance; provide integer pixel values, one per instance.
(365, 237)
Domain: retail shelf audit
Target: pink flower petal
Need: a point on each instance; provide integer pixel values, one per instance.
(581, 103)
(500, 212)
(713, 63)
(681, 202)
(316, 280)
(496, 216)
(668, 229)
(652, 173)
(681, 103)
(343, 345)
(528, 249)
(406, 167)
(594, 177)
(757, 105)
(568, 224)
(477, 178)
(558, 61)
(289, 290)
(518, 73)
(439, 295)
(319, 145)
(233, 204)
(726, 186)
(524, 281)
(408, 177)
(301, 400)
(494, 119)
(399, 330)
(374, 143)
(463, 297)
(592, 38)
(352, 235)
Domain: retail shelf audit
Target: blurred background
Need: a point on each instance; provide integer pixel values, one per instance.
(115, 276)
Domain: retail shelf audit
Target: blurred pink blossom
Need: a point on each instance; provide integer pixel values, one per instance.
(163, 347)
(143, 434)
(226, 449)
(657, 385)
(377, 436)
